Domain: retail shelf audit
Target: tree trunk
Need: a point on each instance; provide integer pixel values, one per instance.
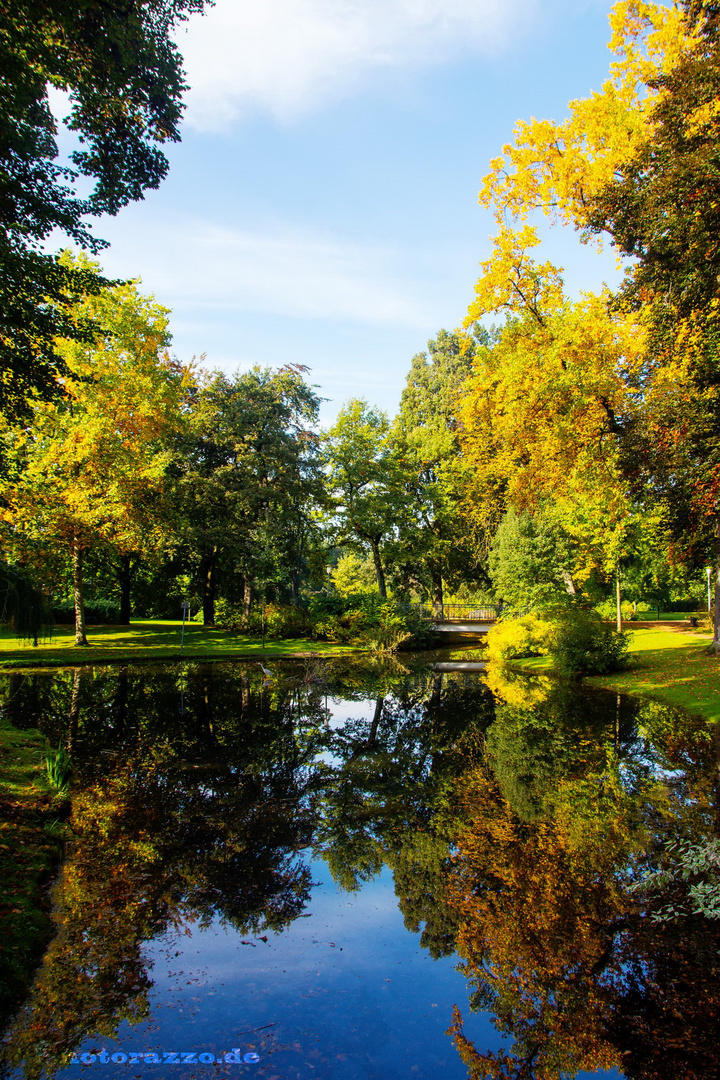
(380, 574)
(74, 712)
(569, 583)
(120, 702)
(124, 580)
(716, 631)
(437, 591)
(377, 716)
(208, 584)
(247, 601)
(618, 605)
(77, 563)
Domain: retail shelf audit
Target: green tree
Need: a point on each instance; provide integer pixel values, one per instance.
(531, 561)
(434, 541)
(122, 72)
(365, 482)
(246, 482)
(353, 575)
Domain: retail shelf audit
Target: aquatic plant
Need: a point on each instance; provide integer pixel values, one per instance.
(58, 765)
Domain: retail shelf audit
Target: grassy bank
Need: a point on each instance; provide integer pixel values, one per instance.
(30, 849)
(668, 664)
(148, 639)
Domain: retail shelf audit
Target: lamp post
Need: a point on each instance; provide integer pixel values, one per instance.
(708, 571)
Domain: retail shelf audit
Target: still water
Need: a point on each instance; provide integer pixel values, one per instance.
(373, 870)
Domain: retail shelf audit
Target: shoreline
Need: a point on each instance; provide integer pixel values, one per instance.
(668, 663)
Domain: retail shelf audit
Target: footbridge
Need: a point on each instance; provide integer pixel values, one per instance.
(466, 620)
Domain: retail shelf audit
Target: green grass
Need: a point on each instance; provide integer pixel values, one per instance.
(150, 639)
(667, 616)
(671, 666)
(30, 849)
(668, 665)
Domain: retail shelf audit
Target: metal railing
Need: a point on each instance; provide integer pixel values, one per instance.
(458, 612)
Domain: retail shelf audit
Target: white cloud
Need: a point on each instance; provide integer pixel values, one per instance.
(191, 264)
(286, 56)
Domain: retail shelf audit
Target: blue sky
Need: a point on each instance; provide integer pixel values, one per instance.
(322, 206)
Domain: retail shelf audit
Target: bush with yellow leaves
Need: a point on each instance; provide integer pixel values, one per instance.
(514, 639)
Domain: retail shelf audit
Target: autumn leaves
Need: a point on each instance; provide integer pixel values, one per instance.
(572, 406)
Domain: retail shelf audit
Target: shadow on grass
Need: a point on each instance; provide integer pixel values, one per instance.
(152, 639)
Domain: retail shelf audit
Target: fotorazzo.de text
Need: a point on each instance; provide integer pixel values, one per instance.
(166, 1057)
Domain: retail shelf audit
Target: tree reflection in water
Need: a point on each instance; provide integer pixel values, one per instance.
(562, 823)
(531, 830)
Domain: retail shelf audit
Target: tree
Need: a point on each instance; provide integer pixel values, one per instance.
(365, 481)
(22, 606)
(123, 75)
(531, 561)
(89, 467)
(637, 162)
(558, 168)
(661, 208)
(661, 204)
(434, 539)
(552, 395)
(353, 575)
(246, 480)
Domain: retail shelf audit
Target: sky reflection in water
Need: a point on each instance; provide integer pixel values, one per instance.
(345, 993)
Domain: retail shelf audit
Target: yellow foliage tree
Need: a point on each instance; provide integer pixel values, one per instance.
(89, 466)
(558, 167)
(545, 408)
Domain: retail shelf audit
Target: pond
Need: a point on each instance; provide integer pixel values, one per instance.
(373, 869)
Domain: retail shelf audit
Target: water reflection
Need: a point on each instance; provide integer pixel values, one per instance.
(585, 954)
(560, 842)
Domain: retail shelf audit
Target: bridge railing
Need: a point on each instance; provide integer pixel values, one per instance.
(458, 612)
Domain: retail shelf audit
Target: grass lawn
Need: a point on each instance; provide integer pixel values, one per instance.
(666, 664)
(150, 639)
(672, 666)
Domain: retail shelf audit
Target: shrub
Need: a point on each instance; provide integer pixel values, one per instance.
(514, 639)
(281, 620)
(607, 609)
(582, 644)
(285, 621)
(367, 619)
(98, 611)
